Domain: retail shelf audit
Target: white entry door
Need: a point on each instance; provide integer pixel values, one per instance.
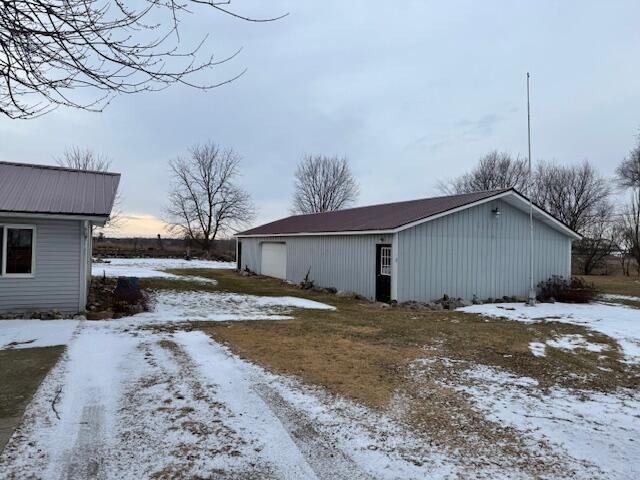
(274, 260)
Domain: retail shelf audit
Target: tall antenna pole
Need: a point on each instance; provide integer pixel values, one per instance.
(532, 292)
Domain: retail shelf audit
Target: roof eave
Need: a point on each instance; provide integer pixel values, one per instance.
(98, 219)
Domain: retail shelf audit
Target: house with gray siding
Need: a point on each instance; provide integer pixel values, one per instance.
(466, 245)
(46, 218)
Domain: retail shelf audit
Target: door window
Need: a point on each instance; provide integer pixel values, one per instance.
(385, 261)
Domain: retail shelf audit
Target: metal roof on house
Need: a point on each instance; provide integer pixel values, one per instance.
(387, 216)
(45, 189)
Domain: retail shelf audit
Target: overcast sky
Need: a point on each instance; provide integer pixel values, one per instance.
(411, 92)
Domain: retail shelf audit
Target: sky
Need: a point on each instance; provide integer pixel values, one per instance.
(410, 92)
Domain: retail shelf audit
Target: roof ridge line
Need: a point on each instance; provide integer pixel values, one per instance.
(496, 191)
(56, 167)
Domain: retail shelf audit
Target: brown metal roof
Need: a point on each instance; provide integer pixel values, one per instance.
(26, 188)
(374, 217)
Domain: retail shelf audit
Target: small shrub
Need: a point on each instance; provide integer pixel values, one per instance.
(560, 289)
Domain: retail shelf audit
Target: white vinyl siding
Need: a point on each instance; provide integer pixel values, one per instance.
(55, 282)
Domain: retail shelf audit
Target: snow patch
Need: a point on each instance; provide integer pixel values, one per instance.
(170, 306)
(597, 428)
(36, 333)
(153, 268)
(572, 342)
(566, 342)
(615, 296)
(619, 322)
(537, 349)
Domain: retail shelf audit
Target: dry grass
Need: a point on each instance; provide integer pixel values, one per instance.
(617, 284)
(361, 350)
(365, 352)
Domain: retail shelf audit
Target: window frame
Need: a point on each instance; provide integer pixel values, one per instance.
(3, 267)
(383, 267)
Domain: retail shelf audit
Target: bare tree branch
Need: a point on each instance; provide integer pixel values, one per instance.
(599, 239)
(81, 53)
(323, 184)
(84, 159)
(628, 177)
(494, 171)
(629, 229)
(628, 172)
(574, 194)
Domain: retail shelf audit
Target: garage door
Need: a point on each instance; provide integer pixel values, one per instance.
(274, 260)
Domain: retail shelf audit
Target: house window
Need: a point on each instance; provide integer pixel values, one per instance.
(17, 252)
(385, 261)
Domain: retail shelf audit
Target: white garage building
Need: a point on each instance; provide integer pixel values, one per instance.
(460, 245)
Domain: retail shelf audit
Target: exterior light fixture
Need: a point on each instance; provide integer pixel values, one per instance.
(496, 211)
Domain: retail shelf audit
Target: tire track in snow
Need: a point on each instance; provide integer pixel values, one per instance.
(286, 430)
(172, 426)
(86, 460)
(327, 461)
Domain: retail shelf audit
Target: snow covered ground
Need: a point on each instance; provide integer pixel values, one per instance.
(223, 306)
(128, 401)
(619, 322)
(152, 267)
(36, 333)
(598, 428)
(601, 429)
(169, 307)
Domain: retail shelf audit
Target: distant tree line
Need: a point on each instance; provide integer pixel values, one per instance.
(206, 202)
(576, 194)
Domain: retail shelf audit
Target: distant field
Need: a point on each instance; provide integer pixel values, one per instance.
(224, 250)
(617, 284)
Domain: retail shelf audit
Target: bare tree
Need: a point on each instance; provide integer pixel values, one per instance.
(628, 177)
(84, 159)
(574, 194)
(599, 239)
(88, 160)
(624, 243)
(494, 171)
(53, 51)
(205, 201)
(323, 184)
(628, 172)
(631, 228)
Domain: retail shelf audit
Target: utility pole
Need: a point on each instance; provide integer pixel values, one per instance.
(532, 292)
